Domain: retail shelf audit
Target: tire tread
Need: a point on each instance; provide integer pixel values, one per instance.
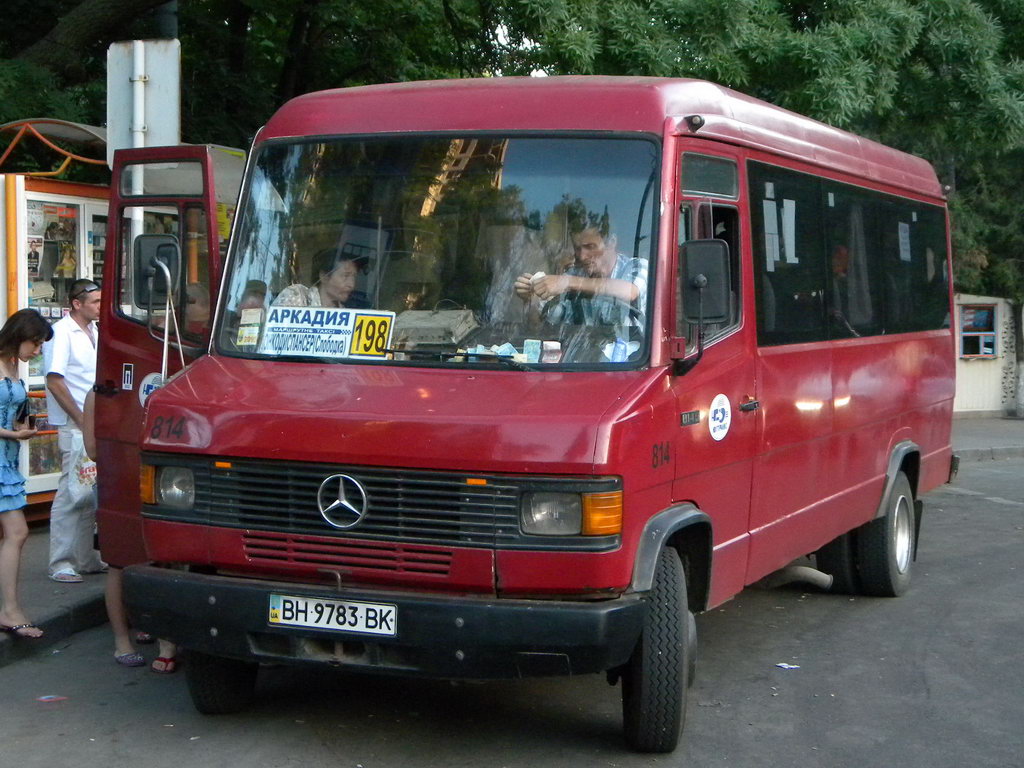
(655, 679)
(876, 555)
(219, 686)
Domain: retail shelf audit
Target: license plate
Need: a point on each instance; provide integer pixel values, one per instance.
(338, 615)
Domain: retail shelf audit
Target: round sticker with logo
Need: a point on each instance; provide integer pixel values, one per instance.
(720, 417)
(150, 384)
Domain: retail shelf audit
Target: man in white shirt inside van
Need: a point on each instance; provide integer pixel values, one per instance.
(69, 360)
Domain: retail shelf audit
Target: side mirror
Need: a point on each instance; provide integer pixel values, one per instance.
(150, 249)
(704, 284)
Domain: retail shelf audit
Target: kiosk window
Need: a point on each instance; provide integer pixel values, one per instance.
(978, 331)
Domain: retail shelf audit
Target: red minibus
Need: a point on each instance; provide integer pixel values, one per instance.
(513, 376)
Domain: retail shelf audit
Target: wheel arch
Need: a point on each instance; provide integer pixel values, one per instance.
(906, 458)
(686, 529)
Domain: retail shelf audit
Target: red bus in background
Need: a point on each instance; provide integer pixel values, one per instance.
(511, 377)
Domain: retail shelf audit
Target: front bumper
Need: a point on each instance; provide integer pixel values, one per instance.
(438, 635)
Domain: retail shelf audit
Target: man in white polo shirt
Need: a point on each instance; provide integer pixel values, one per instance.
(69, 360)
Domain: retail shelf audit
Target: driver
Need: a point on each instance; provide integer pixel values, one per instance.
(599, 287)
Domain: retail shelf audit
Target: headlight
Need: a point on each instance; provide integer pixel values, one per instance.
(552, 514)
(175, 487)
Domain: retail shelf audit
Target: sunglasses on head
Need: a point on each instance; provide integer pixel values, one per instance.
(87, 288)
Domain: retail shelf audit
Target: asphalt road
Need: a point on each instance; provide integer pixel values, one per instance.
(929, 680)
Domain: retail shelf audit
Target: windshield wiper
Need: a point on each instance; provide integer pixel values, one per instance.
(489, 357)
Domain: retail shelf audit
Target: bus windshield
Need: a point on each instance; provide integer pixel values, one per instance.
(517, 251)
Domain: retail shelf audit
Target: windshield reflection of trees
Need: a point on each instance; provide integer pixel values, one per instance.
(441, 232)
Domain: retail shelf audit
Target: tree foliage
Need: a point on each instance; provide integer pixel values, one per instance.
(940, 78)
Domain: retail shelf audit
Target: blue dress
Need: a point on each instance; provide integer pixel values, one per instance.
(12, 484)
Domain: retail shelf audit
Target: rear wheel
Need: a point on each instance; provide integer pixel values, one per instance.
(885, 546)
(220, 686)
(654, 680)
(838, 559)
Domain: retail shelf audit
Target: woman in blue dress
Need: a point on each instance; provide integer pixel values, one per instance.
(20, 340)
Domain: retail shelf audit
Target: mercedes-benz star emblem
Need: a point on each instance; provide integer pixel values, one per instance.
(342, 501)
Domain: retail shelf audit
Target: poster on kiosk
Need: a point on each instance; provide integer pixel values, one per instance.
(57, 234)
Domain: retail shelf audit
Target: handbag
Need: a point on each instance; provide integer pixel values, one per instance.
(82, 481)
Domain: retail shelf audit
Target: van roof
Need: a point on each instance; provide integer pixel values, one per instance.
(597, 103)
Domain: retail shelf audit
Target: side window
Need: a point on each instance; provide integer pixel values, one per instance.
(790, 261)
(913, 247)
(685, 232)
(855, 292)
(722, 222)
(710, 178)
(189, 226)
(836, 261)
(933, 268)
(195, 315)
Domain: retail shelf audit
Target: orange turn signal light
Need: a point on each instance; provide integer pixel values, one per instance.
(147, 484)
(602, 513)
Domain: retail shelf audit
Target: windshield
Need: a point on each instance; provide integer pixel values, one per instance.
(519, 251)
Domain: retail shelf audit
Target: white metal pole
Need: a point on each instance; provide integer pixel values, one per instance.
(138, 127)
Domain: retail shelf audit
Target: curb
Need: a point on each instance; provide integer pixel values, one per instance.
(990, 454)
(57, 627)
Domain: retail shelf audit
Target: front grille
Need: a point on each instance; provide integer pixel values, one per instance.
(403, 505)
(276, 548)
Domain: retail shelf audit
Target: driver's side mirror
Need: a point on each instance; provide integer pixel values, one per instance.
(149, 252)
(704, 284)
(703, 291)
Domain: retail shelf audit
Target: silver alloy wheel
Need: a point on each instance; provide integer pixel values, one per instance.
(904, 541)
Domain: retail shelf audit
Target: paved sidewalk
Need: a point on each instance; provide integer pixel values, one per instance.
(63, 609)
(59, 610)
(987, 439)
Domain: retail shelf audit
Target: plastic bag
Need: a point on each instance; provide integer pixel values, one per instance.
(82, 479)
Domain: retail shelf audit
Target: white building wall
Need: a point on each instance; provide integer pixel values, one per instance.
(985, 386)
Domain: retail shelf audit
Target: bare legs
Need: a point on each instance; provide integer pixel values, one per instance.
(116, 613)
(15, 532)
(165, 661)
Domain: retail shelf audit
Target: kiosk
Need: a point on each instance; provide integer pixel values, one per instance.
(55, 231)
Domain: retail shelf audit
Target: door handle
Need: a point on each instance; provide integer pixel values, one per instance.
(107, 388)
(750, 405)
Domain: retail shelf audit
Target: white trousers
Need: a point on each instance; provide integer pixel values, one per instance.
(71, 524)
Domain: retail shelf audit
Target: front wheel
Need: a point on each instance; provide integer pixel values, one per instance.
(220, 686)
(654, 680)
(885, 546)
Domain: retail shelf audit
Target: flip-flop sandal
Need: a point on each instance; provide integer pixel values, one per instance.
(170, 665)
(66, 577)
(18, 631)
(133, 659)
